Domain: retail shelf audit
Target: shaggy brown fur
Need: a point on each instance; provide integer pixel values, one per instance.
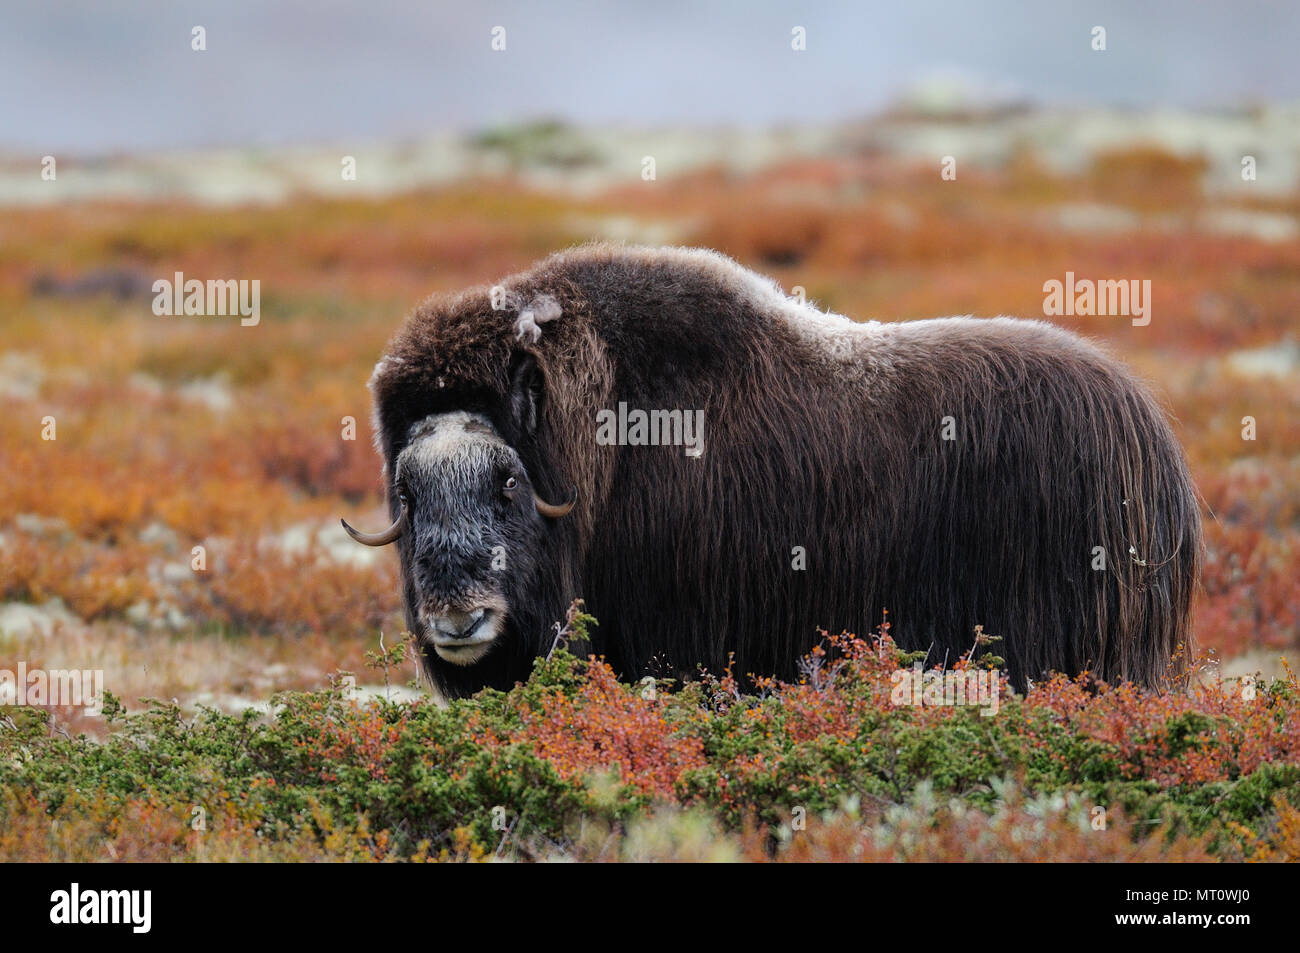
(823, 434)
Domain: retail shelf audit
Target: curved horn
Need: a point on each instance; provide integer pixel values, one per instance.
(393, 532)
(550, 510)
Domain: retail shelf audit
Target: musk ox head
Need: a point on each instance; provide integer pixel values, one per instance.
(462, 415)
(472, 531)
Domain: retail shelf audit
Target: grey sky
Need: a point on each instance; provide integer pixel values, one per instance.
(93, 76)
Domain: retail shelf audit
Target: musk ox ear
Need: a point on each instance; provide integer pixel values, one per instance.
(527, 389)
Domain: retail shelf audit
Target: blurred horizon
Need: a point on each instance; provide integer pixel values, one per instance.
(100, 79)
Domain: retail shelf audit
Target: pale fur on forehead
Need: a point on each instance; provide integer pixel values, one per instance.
(450, 429)
(457, 442)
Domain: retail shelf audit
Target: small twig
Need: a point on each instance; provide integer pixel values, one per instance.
(506, 835)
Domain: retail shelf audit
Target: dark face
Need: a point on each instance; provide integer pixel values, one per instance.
(474, 541)
(487, 562)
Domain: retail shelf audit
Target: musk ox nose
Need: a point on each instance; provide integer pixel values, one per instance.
(463, 637)
(459, 625)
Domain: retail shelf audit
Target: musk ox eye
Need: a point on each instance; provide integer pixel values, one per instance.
(511, 484)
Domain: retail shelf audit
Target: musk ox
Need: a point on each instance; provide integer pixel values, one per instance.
(954, 472)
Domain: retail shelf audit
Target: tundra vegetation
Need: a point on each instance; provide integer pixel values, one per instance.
(176, 432)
